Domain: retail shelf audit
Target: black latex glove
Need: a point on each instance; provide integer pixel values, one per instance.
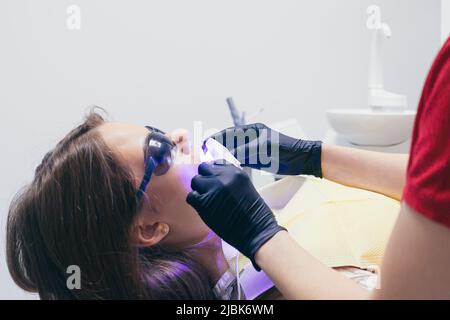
(259, 147)
(229, 204)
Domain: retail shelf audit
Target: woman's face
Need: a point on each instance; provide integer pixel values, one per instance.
(165, 210)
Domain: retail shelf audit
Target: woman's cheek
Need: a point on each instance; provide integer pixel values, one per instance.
(185, 168)
(185, 173)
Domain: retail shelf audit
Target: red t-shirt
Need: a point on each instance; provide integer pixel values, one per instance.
(427, 187)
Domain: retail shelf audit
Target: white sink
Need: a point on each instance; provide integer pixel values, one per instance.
(366, 127)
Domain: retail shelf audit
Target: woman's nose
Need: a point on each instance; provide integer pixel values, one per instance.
(181, 138)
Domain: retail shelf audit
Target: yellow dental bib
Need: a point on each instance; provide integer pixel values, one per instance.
(339, 225)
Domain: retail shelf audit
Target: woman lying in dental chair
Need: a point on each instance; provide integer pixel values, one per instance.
(92, 204)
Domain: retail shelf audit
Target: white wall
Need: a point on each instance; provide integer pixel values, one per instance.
(445, 19)
(168, 63)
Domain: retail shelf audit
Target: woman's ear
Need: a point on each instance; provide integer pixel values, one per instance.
(149, 234)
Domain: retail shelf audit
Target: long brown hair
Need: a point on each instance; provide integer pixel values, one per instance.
(79, 210)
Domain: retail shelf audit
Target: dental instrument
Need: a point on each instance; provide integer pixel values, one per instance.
(215, 151)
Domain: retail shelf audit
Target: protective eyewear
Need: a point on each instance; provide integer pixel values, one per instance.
(159, 154)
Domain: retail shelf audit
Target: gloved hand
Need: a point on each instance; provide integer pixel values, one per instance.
(260, 147)
(229, 204)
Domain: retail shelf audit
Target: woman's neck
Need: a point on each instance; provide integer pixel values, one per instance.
(209, 253)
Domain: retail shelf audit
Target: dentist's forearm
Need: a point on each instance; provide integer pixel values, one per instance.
(300, 276)
(375, 171)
